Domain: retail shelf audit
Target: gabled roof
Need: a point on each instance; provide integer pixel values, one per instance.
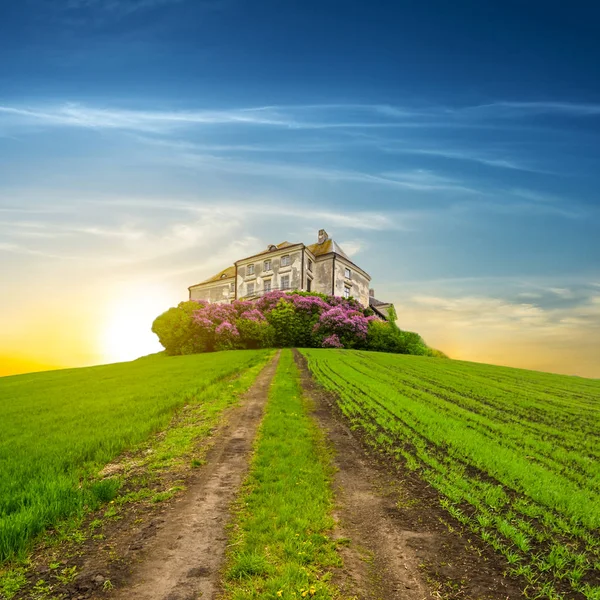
(327, 247)
(228, 273)
(280, 246)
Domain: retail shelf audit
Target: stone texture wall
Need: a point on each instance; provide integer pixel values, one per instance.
(323, 279)
(214, 292)
(357, 282)
(274, 275)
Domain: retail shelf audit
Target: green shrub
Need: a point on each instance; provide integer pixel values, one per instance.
(255, 334)
(286, 324)
(178, 332)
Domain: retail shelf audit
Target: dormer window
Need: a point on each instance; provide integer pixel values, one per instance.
(272, 247)
(285, 261)
(250, 270)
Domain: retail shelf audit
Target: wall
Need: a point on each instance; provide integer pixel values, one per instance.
(358, 282)
(214, 292)
(294, 270)
(323, 271)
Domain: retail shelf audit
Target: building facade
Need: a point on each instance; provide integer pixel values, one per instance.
(320, 267)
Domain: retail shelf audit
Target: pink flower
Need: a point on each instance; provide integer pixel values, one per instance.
(333, 341)
(226, 328)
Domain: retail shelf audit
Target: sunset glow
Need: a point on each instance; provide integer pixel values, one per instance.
(146, 145)
(126, 334)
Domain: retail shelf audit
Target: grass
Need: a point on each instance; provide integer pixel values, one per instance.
(60, 428)
(515, 454)
(280, 544)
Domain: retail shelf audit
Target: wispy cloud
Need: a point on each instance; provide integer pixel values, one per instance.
(326, 116)
(20, 249)
(519, 109)
(463, 155)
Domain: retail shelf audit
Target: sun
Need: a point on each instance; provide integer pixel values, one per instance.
(126, 333)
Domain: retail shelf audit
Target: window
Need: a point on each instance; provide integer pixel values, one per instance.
(250, 289)
(268, 266)
(309, 285)
(250, 270)
(310, 265)
(285, 261)
(285, 282)
(346, 292)
(347, 273)
(233, 287)
(267, 285)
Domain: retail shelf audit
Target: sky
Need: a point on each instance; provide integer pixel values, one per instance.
(453, 149)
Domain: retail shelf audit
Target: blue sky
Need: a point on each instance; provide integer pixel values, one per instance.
(453, 149)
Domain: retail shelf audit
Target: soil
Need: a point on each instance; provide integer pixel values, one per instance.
(401, 544)
(184, 559)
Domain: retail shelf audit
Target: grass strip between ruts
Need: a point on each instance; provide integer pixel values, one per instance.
(280, 543)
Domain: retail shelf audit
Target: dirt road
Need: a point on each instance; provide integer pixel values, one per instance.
(399, 542)
(183, 560)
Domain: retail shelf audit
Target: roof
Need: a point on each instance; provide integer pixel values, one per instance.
(379, 307)
(228, 273)
(280, 246)
(327, 247)
(375, 302)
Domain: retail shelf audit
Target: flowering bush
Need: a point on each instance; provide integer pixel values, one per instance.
(280, 319)
(333, 341)
(226, 336)
(347, 324)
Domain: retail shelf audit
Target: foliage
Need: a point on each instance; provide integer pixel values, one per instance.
(513, 453)
(61, 427)
(282, 319)
(177, 330)
(280, 545)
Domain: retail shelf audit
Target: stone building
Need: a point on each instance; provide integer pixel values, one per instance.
(321, 267)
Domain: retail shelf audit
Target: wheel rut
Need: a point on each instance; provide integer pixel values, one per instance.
(378, 561)
(399, 545)
(185, 557)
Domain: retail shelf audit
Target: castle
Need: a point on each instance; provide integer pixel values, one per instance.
(321, 267)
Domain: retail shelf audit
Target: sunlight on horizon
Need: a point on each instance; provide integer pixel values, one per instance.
(126, 334)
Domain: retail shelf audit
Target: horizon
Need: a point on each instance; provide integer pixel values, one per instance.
(452, 151)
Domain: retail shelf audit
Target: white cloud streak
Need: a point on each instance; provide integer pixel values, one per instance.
(326, 116)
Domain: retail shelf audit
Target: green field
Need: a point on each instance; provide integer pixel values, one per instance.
(59, 428)
(515, 454)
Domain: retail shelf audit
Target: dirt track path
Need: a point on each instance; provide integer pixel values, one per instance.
(378, 562)
(184, 559)
(400, 546)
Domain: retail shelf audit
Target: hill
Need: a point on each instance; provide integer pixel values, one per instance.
(505, 458)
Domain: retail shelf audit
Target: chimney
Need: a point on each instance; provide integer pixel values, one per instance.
(323, 236)
(372, 293)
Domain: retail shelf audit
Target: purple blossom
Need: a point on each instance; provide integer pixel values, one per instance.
(253, 315)
(340, 320)
(226, 328)
(332, 341)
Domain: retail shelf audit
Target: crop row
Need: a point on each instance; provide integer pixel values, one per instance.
(512, 466)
